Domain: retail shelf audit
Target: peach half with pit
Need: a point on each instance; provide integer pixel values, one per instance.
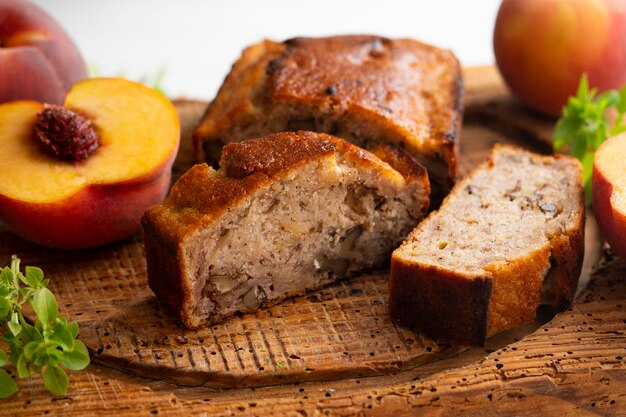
(82, 174)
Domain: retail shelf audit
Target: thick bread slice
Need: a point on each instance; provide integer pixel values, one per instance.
(367, 90)
(284, 214)
(476, 266)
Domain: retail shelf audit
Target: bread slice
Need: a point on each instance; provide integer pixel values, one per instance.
(477, 265)
(284, 214)
(367, 90)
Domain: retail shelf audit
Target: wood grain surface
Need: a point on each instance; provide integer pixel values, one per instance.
(333, 352)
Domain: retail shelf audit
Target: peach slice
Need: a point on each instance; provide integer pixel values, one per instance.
(79, 204)
(609, 191)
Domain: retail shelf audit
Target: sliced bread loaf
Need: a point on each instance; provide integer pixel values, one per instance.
(477, 265)
(367, 90)
(284, 214)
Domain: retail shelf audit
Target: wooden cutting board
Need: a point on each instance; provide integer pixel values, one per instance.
(335, 350)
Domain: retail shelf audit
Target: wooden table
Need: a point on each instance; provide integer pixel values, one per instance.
(271, 363)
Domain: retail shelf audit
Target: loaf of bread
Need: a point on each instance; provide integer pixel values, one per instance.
(477, 265)
(367, 90)
(284, 214)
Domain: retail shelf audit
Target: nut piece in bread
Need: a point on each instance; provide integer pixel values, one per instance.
(367, 90)
(477, 265)
(283, 215)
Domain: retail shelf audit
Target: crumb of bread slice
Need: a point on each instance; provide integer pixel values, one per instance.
(477, 266)
(368, 90)
(283, 215)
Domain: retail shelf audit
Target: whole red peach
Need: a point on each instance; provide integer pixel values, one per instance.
(542, 48)
(38, 60)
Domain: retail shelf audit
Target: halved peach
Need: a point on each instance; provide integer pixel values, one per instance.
(609, 192)
(79, 204)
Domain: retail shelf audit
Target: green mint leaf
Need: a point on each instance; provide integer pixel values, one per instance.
(608, 99)
(8, 387)
(72, 327)
(10, 338)
(41, 348)
(5, 309)
(34, 276)
(14, 327)
(22, 366)
(583, 87)
(6, 276)
(78, 358)
(30, 349)
(30, 334)
(45, 305)
(62, 337)
(5, 288)
(55, 356)
(55, 380)
(621, 104)
(584, 125)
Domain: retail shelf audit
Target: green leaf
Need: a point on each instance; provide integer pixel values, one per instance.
(22, 366)
(34, 276)
(29, 350)
(8, 387)
(608, 99)
(46, 306)
(14, 327)
(3, 358)
(55, 356)
(5, 288)
(55, 380)
(584, 125)
(583, 87)
(62, 337)
(621, 104)
(5, 309)
(77, 359)
(9, 337)
(6, 276)
(72, 327)
(25, 293)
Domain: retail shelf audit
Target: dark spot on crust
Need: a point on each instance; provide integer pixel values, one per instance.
(331, 90)
(293, 41)
(272, 66)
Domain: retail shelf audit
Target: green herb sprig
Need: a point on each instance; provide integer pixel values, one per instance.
(46, 347)
(585, 124)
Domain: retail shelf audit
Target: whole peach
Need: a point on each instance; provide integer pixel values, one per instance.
(542, 48)
(38, 60)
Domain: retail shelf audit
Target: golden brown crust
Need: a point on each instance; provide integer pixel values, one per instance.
(441, 303)
(401, 83)
(410, 90)
(236, 93)
(466, 309)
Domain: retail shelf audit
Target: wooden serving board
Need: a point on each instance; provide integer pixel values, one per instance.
(334, 351)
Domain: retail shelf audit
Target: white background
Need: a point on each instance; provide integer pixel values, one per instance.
(195, 41)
